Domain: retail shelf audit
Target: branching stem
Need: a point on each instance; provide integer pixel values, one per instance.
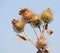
(29, 38)
(35, 31)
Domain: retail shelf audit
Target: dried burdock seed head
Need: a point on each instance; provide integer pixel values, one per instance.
(41, 43)
(47, 16)
(36, 21)
(18, 26)
(26, 14)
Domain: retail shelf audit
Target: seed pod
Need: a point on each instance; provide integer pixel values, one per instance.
(26, 14)
(36, 21)
(46, 16)
(18, 26)
(41, 43)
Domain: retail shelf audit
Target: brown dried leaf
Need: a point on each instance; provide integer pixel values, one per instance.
(49, 32)
(21, 37)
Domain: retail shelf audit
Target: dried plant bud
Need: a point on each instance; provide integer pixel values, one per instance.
(36, 21)
(21, 37)
(49, 32)
(46, 16)
(26, 14)
(18, 26)
(22, 11)
(41, 43)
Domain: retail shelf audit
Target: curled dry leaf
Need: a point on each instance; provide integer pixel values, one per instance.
(43, 50)
(21, 37)
(39, 51)
(49, 32)
(46, 51)
(45, 26)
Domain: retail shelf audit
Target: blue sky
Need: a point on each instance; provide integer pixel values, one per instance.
(9, 42)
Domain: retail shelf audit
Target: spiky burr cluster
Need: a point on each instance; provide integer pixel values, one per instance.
(36, 21)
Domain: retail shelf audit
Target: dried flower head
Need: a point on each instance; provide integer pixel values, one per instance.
(18, 26)
(26, 14)
(36, 21)
(46, 16)
(41, 43)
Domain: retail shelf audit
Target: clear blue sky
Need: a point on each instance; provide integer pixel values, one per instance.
(9, 42)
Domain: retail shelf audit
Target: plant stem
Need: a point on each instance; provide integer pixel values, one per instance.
(29, 38)
(35, 31)
(39, 29)
(43, 28)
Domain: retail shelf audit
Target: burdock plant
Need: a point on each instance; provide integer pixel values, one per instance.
(35, 20)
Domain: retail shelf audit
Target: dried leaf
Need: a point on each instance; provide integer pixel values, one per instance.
(21, 37)
(45, 26)
(49, 32)
(46, 51)
(39, 51)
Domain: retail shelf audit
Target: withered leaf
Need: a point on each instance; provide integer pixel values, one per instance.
(49, 32)
(21, 37)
